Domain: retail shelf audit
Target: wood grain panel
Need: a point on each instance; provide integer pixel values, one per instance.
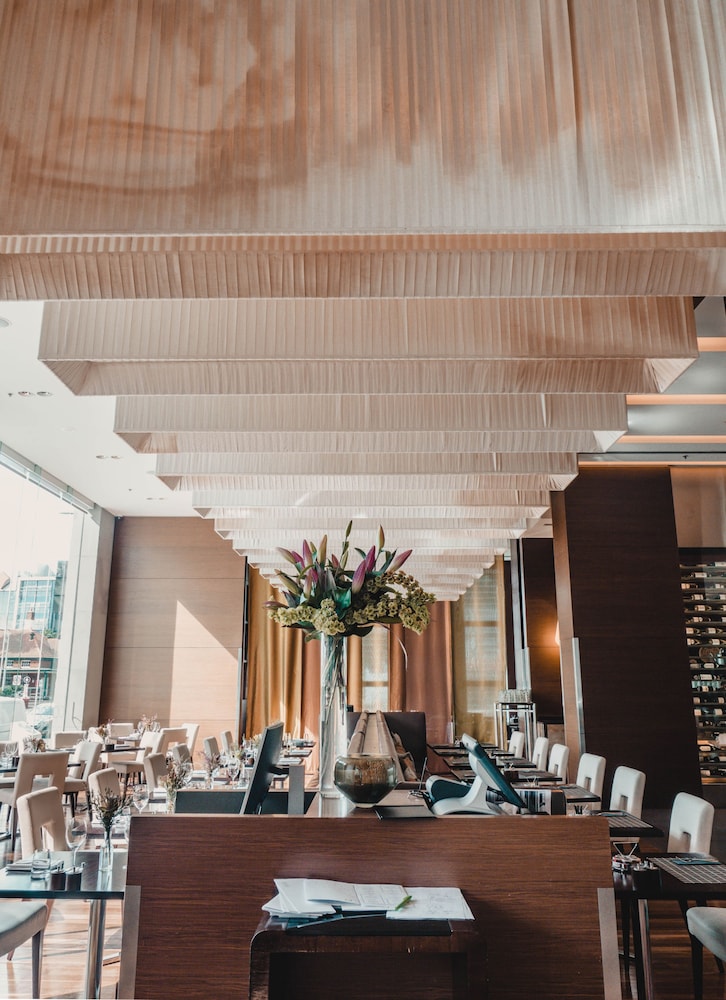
(198, 915)
(166, 546)
(618, 594)
(172, 640)
(175, 612)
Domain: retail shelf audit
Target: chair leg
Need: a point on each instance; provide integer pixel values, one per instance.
(697, 966)
(37, 960)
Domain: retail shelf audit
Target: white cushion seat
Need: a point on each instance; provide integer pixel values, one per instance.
(21, 919)
(708, 924)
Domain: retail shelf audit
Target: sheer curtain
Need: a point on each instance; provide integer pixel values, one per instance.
(479, 654)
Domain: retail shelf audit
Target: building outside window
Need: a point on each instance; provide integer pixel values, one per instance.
(36, 529)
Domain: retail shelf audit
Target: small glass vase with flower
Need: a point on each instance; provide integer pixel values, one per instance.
(177, 776)
(108, 806)
(212, 764)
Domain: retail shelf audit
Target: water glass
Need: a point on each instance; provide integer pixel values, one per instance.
(76, 834)
(141, 797)
(233, 768)
(40, 864)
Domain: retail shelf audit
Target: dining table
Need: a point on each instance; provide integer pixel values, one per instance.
(96, 886)
(683, 877)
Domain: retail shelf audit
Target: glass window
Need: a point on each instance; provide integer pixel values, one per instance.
(375, 670)
(36, 528)
(479, 653)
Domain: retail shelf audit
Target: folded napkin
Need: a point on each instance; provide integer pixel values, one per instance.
(26, 865)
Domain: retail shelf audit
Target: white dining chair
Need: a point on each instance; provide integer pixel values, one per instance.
(691, 824)
(690, 830)
(516, 744)
(87, 758)
(117, 730)
(169, 737)
(130, 763)
(35, 770)
(41, 821)
(558, 760)
(104, 781)
(707, 929)
(627, 789)
(539, 752)
(155, 769)
(626, 795)
(192, 731)
(67, 739)
(21, 919)
(591, 773)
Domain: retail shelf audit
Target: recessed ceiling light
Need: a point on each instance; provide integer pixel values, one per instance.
(44, 392)
(4, 322)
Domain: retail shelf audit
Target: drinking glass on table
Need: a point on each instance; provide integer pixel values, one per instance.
(40, 864)
(233, 768)
(141, 797)
(76, 833)
(11, 749)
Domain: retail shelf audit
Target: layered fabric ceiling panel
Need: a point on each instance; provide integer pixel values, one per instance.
(339, 259)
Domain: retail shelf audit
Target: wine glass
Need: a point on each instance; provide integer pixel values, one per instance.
(76, 833)
(141, 796)
(125, 823)
(233, 768)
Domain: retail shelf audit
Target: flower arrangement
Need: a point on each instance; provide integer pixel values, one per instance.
(146, 722)
(211, 763)
(323, 597)
(177, 776)
(104, 730)
(34, 744)
(107, 806)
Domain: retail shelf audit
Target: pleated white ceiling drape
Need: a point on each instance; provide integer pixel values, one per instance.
(399, 262)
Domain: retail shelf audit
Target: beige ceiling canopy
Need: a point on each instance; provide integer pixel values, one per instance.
(395, 261)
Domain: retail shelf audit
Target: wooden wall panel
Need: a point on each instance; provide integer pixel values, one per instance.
(198, 912)
(174, 630)
(619, 598)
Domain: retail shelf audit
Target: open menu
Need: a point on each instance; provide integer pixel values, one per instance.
(313, 899)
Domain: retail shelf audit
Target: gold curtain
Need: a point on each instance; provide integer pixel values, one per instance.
(284, 671)
(420, 680)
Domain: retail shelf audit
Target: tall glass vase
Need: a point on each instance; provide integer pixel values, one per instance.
(105, 859)
(333, 706)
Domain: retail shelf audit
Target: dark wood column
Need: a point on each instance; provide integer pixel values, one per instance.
(625, 672)
(539, 626)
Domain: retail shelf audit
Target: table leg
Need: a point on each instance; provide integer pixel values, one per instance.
(643, 958)
(94, 958)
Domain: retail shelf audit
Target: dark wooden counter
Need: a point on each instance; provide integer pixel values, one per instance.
(540, 888)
